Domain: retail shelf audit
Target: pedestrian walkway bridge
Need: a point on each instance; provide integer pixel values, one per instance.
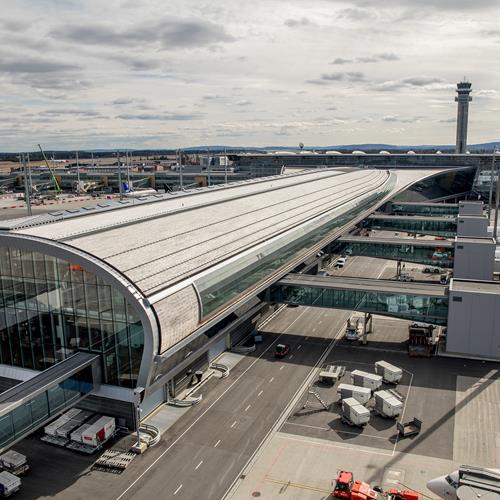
(429, 252)
(437, 226)
(423, 208)
(30, 404)
(411, 301)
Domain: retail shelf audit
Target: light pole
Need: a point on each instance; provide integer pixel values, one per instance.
(26, 185)
(490, 198)
(77, 175)
(497, 194)
(119, 175)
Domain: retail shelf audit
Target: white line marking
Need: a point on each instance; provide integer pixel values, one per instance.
(299, 346)
(284, 414)
(281, 435)
(260, 393)
(306, 338)
(177, 490)
(234, 423)
(271, 379)
(338, 431)
(217, 444)
(198, 466)
(291, 356)
(281, 367)
(248, 407)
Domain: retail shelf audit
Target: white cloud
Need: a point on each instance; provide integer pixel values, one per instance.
(248, 73)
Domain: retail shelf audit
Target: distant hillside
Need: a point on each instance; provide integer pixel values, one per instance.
(486, 147)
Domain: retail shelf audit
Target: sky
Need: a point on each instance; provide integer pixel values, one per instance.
(88, 74)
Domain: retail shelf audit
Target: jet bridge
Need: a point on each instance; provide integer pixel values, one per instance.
(411, 301)
(30, 404)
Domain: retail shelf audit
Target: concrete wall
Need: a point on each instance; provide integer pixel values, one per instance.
(470, 208)
(474, 259)
(472, 226)
(474, 324)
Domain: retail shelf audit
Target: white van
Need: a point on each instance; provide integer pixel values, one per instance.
(340, 262)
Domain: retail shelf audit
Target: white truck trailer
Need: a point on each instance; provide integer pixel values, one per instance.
(365, 379)
(360, 394)
(354, 413)
(390, 374)
(387, 405)
(14, 462)
(9, 484)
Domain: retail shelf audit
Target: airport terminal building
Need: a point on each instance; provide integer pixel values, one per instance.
(155, 287)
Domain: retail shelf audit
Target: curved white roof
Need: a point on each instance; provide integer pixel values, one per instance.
(358, 153)
(384, 153)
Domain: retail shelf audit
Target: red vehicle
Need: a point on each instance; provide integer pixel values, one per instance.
(281, 350)
(347, 488)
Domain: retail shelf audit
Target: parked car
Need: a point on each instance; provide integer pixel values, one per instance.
(340, 262)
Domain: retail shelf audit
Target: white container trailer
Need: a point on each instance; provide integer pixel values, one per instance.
(99, 432)
(387, 405)
(76, 435)
(365, 379)
(390, 374)
(354, 413)
(14, 462)
(360, 394)
(51, 429)
(9, 484)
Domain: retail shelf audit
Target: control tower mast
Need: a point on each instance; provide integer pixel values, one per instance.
(463, 98)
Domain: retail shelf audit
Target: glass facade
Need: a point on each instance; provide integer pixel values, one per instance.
(51, 308)
(20, 421)
(220, 287)
(438, 227)
(433, 255)
(402, 305)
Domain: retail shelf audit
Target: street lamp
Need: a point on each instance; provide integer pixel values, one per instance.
(497, 194)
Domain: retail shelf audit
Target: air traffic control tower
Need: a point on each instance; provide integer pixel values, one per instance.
(463, 98)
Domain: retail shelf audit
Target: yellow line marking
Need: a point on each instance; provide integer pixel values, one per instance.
(296, 485)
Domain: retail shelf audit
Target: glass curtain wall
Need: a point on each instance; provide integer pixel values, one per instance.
(50, 308)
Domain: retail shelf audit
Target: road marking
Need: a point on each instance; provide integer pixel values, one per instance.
(260, 393)
(338, 431)
(286, 411)
(217, 444)
(325, 444)
(319, 322)
(198, 466)
(282, 366)
(271, 379)
(248, 407)
(178, 489)
(234, 423)
(235, 381)
(306, 338)
(291, 356)
(302, 486)
(299, 346)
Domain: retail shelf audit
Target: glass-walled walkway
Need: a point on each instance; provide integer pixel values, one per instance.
(411, 301)
(27, 406)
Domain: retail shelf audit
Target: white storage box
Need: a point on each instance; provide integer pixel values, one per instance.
(360, 394)
(354, 412)
(365, 379)
(390, 373)
(387, 405)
